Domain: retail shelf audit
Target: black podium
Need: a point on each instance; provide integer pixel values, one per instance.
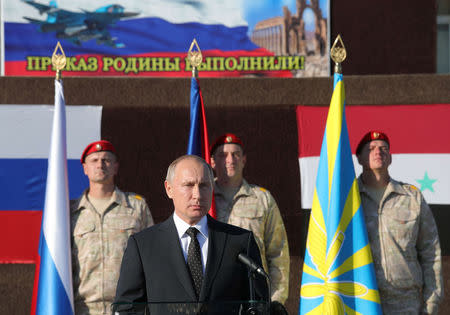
(192, 308)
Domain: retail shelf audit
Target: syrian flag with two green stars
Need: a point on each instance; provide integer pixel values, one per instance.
(419, 143)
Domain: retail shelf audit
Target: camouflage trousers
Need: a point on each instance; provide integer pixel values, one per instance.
(401, 301)
(95, 308)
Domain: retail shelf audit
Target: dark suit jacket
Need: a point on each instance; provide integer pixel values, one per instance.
(154, 269)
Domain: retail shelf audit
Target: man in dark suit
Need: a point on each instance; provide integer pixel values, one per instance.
(165, 263)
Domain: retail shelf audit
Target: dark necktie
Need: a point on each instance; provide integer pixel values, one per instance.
(194, 260)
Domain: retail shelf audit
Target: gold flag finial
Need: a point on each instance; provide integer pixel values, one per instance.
(338, 53)
(194, 57)
(58, 60)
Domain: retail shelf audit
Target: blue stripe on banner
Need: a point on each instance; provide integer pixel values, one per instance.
(134, 33)
(24, 180)
(51, 288)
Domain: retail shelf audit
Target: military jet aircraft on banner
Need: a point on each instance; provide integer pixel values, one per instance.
(79, 27)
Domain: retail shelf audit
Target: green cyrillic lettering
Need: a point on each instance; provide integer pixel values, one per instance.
(158, 64)
(107, 63)
(119, 64)
(71, 64)
(82, 66)
(32, 63)
(144, 63)
(92, 64)
(232, 66)
(172, 65)
(131, 65)
(220, 61)
(45, 62)
(268, 63)
(243, 64)
(294, 62)
(256, 63)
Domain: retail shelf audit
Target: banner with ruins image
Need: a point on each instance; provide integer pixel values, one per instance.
(264, 38)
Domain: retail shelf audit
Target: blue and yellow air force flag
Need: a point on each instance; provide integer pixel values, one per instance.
(338, 273)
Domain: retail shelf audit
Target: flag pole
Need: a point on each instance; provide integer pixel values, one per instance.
(58, 60)
(338, 275)
(198, 143)
(195, 58)
(338, 54)
(53, 293)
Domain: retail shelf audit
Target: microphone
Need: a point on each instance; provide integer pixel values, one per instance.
(251, 265)
(254, 268)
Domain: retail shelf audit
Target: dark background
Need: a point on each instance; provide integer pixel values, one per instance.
(148, 122)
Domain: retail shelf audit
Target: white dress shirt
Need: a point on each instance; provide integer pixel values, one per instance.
(202, 236)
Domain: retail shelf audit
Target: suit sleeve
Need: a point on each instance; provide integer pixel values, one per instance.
(131, 285)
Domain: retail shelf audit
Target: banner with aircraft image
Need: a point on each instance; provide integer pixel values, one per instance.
(265, 38)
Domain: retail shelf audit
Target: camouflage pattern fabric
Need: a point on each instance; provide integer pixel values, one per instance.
(98, 244)
(405, 247)
(253, 208)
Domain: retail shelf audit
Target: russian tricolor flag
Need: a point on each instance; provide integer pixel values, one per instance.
(24, 150)
(55, 292)
(198, 143)
(26, 184)
(198, 132)
(420, 144)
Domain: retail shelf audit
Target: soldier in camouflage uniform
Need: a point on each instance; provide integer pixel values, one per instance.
(253, 208)
(102, 219)
(402, 234)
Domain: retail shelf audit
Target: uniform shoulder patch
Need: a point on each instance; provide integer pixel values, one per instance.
(262, 189)
(138, 197)
(413, 187)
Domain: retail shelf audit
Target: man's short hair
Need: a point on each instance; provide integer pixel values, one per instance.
(173, 165)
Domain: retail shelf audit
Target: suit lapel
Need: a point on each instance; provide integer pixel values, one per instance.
(176, 257)
(217, 240)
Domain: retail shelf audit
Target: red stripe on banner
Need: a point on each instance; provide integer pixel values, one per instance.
(20, 236)
(23, 68)
(410, 128)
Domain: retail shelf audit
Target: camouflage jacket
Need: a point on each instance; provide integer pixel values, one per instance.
(405, 246)
(253, 208)
(98, 244)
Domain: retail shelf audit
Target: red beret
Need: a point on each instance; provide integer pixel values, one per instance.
(97, 146)
(224, 139)
(370, 136)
